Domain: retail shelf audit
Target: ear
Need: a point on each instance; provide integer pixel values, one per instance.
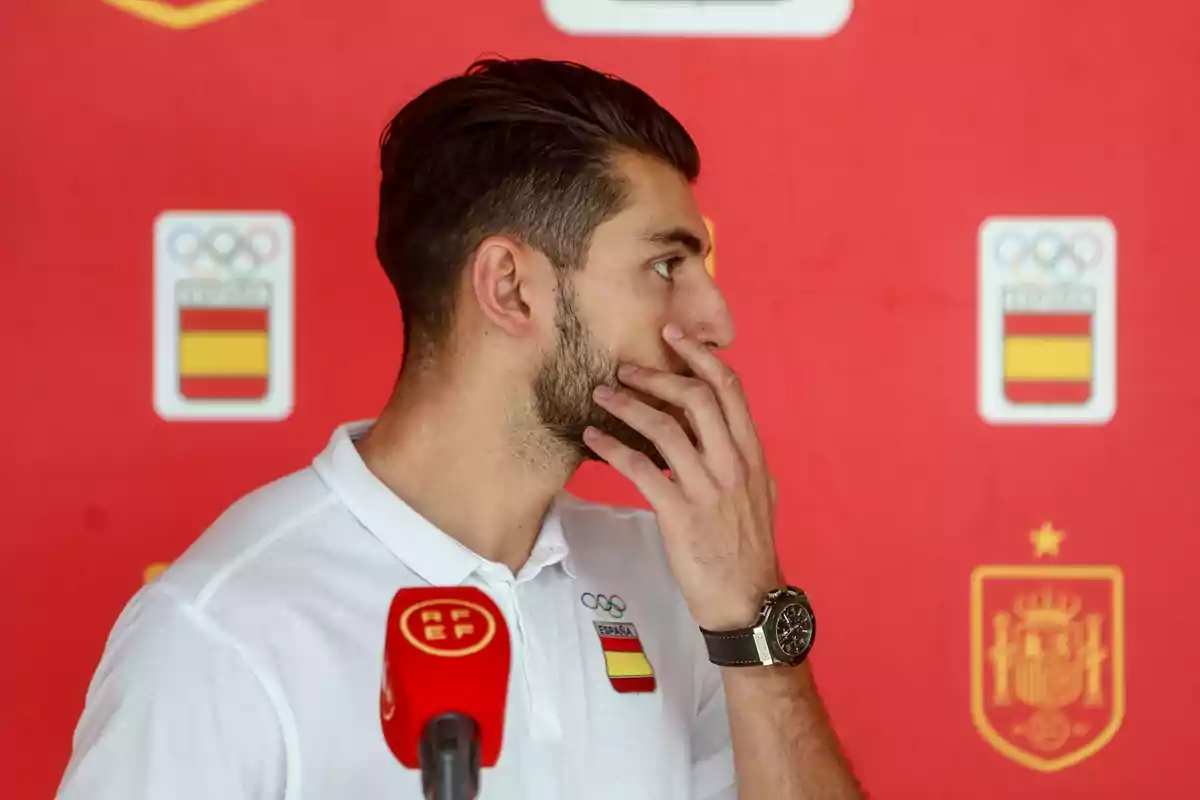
(503, 279)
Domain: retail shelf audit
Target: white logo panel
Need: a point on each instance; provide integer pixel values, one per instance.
(768, 18)
(223, 315)
(1047, 320)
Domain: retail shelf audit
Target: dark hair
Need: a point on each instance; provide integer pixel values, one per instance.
(516, 147)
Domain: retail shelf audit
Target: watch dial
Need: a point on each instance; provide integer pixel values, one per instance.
(794, 630)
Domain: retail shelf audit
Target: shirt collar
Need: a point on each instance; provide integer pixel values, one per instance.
(433, 555)
(551, 546)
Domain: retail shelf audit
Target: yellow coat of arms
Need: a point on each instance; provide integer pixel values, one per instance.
(1047, 657)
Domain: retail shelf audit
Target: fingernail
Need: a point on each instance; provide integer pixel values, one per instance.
(627, 371)
(602, 392)
(673, 332)
(590, 434)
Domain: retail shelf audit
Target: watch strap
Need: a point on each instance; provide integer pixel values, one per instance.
(732, 648)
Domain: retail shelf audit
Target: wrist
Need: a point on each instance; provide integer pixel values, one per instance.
(736, 609)
(729, 615)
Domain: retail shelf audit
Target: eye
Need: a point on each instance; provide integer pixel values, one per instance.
(666, 266)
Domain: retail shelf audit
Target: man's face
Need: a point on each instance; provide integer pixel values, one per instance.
(645, 268)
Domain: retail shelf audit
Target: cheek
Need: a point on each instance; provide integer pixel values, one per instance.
(635, 332)
(645, 347)
(626, 318)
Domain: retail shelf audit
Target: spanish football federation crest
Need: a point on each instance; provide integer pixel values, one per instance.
(1047, 657)
(223, 316)
(181, 15)
(1047, 320)
(776, 18)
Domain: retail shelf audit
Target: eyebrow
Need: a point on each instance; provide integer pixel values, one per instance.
(683, 236)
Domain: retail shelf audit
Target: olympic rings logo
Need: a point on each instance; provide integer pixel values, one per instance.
(1049, 251)
(613, 606)
(224, 245)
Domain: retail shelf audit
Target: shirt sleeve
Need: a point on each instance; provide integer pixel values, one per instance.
(713, 776)
(174, 710)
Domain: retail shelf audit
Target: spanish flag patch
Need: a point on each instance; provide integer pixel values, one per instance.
(624, 660)
(224, 353)
(1048, 358)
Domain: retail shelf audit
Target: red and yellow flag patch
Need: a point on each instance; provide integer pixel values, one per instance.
(624, 659)
(224, 353)
(1048, 357)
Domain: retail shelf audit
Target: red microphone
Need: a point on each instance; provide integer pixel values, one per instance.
(445, 684)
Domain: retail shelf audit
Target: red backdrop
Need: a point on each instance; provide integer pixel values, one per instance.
(847, 177)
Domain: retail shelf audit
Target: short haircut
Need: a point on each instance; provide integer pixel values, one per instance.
(523, 148)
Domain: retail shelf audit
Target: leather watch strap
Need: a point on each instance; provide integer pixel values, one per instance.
(732, 648)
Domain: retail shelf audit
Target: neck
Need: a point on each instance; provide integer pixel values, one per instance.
(469, 461)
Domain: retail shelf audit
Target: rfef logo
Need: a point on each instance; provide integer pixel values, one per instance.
(449, 628)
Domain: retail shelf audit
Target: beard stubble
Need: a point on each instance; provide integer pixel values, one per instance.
(563, 387)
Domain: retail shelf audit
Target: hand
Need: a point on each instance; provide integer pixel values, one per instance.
(716, 512)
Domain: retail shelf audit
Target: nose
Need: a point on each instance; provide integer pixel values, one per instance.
(710, 322)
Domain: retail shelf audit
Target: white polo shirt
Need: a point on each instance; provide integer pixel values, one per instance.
(250, 668)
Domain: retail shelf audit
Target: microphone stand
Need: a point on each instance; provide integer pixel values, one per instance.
(449, 755)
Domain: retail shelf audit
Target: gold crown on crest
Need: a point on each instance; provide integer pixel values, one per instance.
(1045, 608)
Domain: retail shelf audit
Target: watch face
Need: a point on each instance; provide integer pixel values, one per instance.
(794, 630)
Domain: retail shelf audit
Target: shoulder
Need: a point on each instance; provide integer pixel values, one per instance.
(245, 530)
(257, 546)
(182, 666)
(174, 634)
(175, 709)
(265, 558)
(160, 642)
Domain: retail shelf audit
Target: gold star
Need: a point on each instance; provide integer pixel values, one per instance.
(1046, 540)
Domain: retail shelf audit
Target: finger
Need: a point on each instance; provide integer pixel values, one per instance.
(699, 403)
(726, 385)
(656, 487)
(663, 430)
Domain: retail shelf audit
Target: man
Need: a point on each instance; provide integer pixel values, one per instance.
(538, 224)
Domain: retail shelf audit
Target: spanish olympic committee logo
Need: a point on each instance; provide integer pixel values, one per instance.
(448, 627)
(774, 18)
(181, 15)
(223, 311)
(610, 605)
(1047, 320)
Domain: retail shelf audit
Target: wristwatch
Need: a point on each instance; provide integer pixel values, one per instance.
(782, 634)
